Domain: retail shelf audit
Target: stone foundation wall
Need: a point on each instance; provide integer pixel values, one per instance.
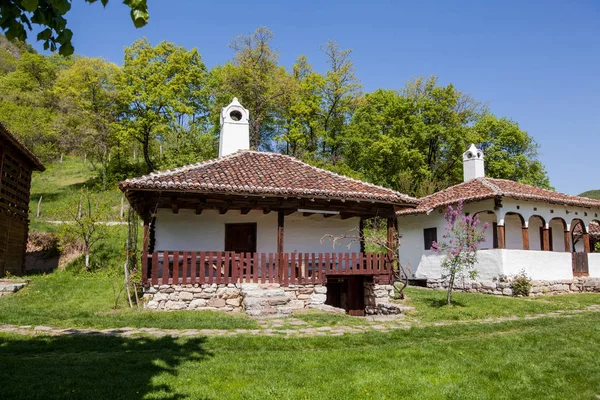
(254, 298)
(260, 299)
(503, 286)
(377, 299)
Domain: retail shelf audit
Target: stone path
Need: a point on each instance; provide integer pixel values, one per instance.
(281, 327)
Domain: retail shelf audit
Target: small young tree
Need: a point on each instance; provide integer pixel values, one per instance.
(82, 222)
(462, 240)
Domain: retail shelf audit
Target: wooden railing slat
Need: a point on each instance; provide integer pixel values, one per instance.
(155, 268)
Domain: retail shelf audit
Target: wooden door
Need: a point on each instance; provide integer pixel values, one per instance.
(240, 238)
(356, 296)
(580, 264)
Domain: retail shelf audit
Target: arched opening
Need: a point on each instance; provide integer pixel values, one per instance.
(578, 231)
(536, 232)
(491, 233)
(558, 226)
(513, 230)
(594, 229)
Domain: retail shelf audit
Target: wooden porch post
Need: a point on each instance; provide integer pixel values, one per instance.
(390, 235)
(280, 219)
(146, 218)
(361, 234)
(545, 239)
(568, 241)
(501, 237)
(525, 233)
(586, 242)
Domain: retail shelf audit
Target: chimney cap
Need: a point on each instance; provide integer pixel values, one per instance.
(473, 153)
(234, 112)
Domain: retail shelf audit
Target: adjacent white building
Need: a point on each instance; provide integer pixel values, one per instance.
(530, 229)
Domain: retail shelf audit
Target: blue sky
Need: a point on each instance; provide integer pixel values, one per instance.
(537, 62)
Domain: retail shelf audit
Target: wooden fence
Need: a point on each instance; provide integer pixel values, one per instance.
(201, 267)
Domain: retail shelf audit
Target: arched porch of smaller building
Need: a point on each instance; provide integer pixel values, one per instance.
(515, 231)
(580, 239)
(538, 233)
(559, 235)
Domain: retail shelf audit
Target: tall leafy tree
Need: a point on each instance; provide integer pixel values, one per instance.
(256, 79)
(160, 87)
(26, 102)
(86, 97)
(342, 89)
(303, 130)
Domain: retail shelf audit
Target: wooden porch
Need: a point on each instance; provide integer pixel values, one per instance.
(215, 267)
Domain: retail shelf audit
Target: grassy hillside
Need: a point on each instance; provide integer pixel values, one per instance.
(592, 194)
(59, 183)
(58, 186)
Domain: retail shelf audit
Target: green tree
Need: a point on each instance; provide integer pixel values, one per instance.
(160, 87)
(256, 79)
(303, 131)
(510, 153)
(340, 93)
(86, 97)
(26, 102)
(18, 15)
(84, 222)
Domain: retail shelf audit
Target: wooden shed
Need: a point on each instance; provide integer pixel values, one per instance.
(16, 165)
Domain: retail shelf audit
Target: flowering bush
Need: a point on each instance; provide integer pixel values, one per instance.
(460, 245)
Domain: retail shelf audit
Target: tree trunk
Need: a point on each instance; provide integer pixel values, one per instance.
(38, 207)
(450, 287)
(87, 259)
(146, 149)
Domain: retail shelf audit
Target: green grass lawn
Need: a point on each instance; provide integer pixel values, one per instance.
(538, 359)
(430, 305)
(66, 299)
(87, 300)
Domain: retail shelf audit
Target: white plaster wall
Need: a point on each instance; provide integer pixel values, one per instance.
(489, 266)
(594, 265)
(412, 245)
(304, 234)
(489, 232)
(558, 235)
(206, 232)
(538, 265)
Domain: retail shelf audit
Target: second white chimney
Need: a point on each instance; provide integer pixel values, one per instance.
(473, 165)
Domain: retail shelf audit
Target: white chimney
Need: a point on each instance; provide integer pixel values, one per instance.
(235, 129)
(473, 166)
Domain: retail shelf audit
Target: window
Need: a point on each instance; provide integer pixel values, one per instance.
(430, 236)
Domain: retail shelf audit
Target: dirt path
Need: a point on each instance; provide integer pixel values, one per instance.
(284, 327)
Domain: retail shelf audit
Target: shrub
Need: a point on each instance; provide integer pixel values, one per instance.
(521, 284)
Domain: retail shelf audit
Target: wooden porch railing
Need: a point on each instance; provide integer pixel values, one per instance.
(201, 267)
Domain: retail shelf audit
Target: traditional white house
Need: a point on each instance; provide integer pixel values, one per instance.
(542, 232)
(246, 229)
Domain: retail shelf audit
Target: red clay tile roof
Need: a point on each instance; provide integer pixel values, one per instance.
(487, 188)
(258, 173)
(21, 147)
